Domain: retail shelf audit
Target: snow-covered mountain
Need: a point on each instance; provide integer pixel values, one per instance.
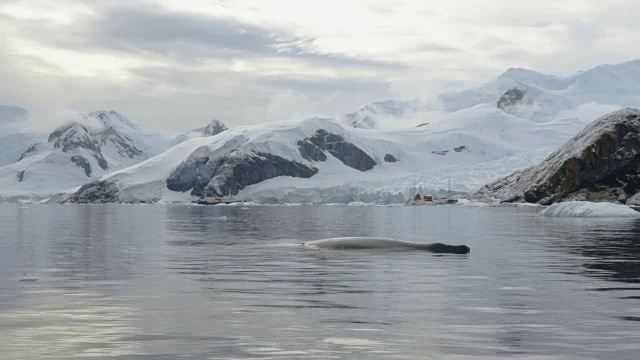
(78, 152)
(523, 93)
(321, 160)
(389, 113)
(214, 127)
(543, 97)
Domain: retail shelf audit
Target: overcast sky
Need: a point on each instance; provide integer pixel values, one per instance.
(176, 64)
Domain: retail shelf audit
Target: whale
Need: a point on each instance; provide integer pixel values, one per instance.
(368, 243)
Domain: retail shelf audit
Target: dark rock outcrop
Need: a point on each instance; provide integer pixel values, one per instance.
(232, 173)
(442, 152)
(602, 163)
(310, 151)
(191, 174)
(33, 149)
(390, 158)
(99, 192)
(238, 172)
(511, 97)
(459, 148)
(342, 150)
(83, 163)
(124, 145)
(20, 176)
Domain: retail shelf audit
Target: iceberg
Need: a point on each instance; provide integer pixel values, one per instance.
(585, 209)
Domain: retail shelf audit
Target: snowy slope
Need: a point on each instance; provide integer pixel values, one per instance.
(469, 149)
(75, 154)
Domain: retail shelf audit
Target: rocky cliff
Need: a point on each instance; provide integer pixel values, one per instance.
(601, 163)
(232, 173)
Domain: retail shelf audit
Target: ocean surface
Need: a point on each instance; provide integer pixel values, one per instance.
(198, 282)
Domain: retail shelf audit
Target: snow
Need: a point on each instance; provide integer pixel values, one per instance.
(584, 209)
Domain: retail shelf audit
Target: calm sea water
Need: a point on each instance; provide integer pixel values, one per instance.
(167, 282)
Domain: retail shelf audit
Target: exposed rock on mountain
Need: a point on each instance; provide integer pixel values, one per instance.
(311, 151)
(390, 158)
(83, 163)
(230, 174)
(238, 172)
(512, 97)
(99, 192)
(342, 150)
(601, 163)
(214, 127)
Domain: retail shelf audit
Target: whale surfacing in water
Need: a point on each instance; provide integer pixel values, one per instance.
(364, 243)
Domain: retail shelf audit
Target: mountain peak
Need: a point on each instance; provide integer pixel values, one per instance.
(73, 136)
(214, 127)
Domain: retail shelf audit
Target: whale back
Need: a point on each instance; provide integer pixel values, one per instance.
(367, 243)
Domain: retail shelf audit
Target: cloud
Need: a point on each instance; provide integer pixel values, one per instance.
(249, 61)
(152, 30)
(313, 85)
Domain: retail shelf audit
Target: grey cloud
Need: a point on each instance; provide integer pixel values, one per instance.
(182, 34)
(187, 37)
(328, 85)
(154, 30)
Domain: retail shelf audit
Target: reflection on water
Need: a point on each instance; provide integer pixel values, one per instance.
(232, 282)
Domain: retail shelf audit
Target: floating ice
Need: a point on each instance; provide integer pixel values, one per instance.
(584, 209)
